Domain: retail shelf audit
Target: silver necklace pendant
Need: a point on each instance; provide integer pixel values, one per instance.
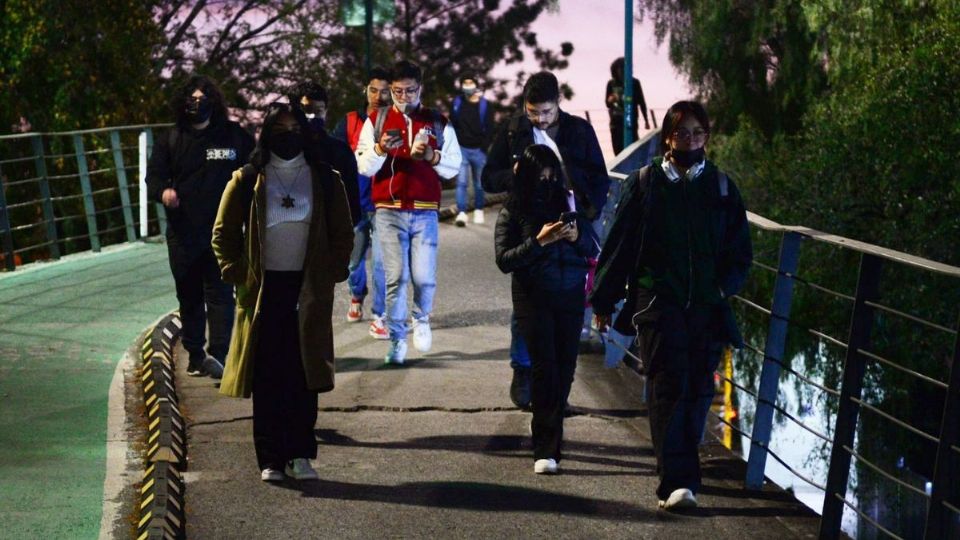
(287, 201)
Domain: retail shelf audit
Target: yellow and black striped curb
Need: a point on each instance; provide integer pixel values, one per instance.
(161, 514)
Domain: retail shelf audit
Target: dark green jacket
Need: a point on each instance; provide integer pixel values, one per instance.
(628, 252)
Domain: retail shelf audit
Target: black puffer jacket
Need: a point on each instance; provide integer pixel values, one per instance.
(198, 164)
(560, 266)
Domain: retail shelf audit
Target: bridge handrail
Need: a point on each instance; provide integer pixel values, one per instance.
(856, 245)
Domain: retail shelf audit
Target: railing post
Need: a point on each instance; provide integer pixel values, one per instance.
(40, 163)
(772, 358)
(868, 290)
(161, 211)
(88, 205)
(941, 522)
(122, 182)
(9, 255)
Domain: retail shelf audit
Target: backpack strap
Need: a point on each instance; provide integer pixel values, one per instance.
(455, 109)
(381, 120)
(483, 115)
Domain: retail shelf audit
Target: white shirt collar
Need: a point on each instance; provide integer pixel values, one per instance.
(280, 163)
(673, 174)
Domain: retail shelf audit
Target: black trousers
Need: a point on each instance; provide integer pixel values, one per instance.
(203, 297)
(550, 325)
(284, 410)
(616, 134)
(682, 355)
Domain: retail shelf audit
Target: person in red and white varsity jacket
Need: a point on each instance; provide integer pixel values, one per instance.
(407, 148)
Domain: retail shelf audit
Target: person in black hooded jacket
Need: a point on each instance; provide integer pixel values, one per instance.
(545, 243)
(187, 172)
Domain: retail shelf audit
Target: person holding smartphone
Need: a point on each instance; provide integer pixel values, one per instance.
(407, 148)
(544, 243)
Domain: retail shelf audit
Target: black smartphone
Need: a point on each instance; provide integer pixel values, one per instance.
(393, 133)
(568, 217)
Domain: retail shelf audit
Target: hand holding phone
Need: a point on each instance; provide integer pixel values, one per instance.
(568, 217)
(390, 139)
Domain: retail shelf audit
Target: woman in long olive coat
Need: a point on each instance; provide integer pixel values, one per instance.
(238, 250)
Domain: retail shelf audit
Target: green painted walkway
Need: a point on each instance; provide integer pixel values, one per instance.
(64, 326)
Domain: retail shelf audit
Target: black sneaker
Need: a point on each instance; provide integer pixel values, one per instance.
(195, 368)
(520, 388)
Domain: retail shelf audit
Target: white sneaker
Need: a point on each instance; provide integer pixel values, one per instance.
(396, 353)
(545, 466)
(300, 469)
(271, 475)
(422, 336)
(478, 216)
(461, 220)
(680, 498)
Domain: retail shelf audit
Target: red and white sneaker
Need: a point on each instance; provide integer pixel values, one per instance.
(355, 313)
(378, 330)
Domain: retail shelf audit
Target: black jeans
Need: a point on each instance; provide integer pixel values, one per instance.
(203, 297)
(549, 323)
(284, 410)
(682, 354)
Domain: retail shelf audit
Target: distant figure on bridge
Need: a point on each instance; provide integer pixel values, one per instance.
(575, 143)
(311, 98)
(407, 149)
(472, 118)
(377, 91)
(678, 247)
(188, 170)
(546, 244)
(615, 104)
(283, 237)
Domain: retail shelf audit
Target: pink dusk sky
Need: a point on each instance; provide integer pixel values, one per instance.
(595, 27)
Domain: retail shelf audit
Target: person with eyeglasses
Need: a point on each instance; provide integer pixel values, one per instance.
(407, 148)
(187, 172)
(574, 141)
(678, 248)
(283, 237)
(545, 244)
(377, 95)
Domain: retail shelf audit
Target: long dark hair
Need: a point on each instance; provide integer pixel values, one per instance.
(523, 197)
(209, 88)
(261, 152)
(674, 117)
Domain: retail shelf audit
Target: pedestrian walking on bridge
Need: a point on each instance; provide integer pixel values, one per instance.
(545, 243)
(679, 246)
(283, 237)
(188, 170)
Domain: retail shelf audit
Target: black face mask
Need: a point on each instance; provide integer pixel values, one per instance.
(317, 124)
(286, 145)
(199, 110)
(688, 158)
(549, 199)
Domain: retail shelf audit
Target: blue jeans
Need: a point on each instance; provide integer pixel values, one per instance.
(473, 160)
(364, 238)
(408, 239)
(519, 357)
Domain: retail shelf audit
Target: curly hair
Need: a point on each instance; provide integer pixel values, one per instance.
(209, 88)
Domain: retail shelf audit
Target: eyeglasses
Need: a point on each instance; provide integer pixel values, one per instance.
(399, 92)
(684, 134)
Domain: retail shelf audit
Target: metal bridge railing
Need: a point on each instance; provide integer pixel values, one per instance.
(73, 191)
(878, 269)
